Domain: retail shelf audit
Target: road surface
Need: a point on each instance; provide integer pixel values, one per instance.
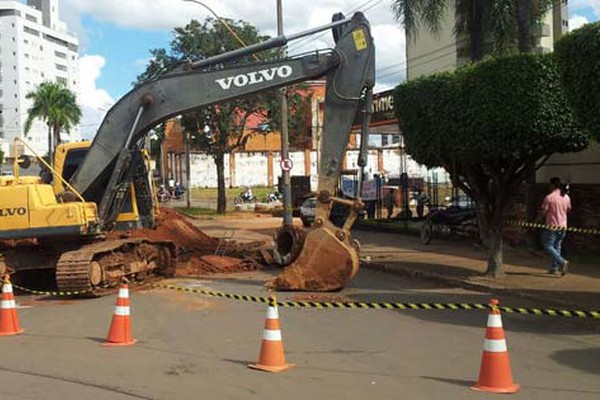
(192, 346)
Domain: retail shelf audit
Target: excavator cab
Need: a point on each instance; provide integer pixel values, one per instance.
(68, 157)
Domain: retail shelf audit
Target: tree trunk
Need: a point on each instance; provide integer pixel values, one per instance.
(477, 31)
(50, 147)
(482, 220)
(221, 196)
(494, 220)
(494, 268)
(524, 26)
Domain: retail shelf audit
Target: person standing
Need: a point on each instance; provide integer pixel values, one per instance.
(389, 202)
(555, 207)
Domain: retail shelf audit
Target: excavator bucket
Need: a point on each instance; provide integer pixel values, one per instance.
(327, 262)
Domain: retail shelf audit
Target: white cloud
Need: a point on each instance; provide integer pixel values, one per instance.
(298, 16)
(583, 4)
(94, 102)
(577, 21)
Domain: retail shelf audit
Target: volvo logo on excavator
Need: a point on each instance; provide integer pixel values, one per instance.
(252, 78)
(11, 212)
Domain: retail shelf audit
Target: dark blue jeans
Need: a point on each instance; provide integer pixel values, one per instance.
(552, 241)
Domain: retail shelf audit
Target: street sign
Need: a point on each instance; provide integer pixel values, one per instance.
(286, 164)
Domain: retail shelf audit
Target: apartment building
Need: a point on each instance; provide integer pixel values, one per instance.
(427, 52)
(35, 47)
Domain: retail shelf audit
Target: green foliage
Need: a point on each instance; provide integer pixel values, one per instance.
(488, 27)
(490, 125)
(507, 109)
(578, 54)
(56, 105)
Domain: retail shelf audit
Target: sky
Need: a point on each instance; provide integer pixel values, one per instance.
(116, 36)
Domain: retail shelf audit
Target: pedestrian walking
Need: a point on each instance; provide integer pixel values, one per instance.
(555, 207)
(389, 202)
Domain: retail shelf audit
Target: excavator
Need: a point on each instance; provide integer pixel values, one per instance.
(104, 185)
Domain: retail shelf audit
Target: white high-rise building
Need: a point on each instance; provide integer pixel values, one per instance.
(35, 47)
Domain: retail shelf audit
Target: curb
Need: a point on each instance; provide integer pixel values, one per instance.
(413, 273)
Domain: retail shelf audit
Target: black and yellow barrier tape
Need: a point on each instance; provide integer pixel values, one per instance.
(525, 224)
(40, 292)
(386, 305)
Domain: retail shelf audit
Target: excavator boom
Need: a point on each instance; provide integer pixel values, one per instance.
(106, 172)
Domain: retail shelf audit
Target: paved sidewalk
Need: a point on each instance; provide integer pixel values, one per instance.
(456, 262)
(451, 261)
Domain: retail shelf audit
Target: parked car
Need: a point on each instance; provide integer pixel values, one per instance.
(307, 211)
(460, 202)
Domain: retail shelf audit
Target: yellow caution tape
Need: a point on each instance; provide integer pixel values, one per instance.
(525, 224)
(385, 306)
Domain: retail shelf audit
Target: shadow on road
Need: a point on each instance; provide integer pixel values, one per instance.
(587, 360)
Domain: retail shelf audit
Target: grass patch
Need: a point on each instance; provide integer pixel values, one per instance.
(196, 211)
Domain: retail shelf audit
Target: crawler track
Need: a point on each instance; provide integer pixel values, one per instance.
(98, 268)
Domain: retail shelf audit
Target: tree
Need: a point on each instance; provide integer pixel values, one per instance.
(490, 125)
(227, 120)
(488, 27)
(57, 106)
(578, 54)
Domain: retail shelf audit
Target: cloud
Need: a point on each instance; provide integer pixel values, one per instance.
(577, 21)
(578, 5)
(167, 14)
(94, 102)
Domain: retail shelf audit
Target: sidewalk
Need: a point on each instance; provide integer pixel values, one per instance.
(451, 261)
(458, 263)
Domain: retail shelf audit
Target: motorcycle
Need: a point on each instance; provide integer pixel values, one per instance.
(245, 198)
(273, 197)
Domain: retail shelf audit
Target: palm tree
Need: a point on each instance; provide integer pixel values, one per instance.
(489, 26)
(56, 105)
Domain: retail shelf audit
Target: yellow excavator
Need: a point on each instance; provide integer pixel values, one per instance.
(104, 185)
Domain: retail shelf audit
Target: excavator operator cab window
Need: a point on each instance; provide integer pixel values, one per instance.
(72, 162)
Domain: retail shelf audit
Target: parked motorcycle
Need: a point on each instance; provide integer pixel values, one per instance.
(245, 198)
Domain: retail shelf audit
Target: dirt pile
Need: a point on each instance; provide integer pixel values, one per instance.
(170, 225)
(195, 249)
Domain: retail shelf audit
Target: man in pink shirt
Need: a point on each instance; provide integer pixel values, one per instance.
(555, 207)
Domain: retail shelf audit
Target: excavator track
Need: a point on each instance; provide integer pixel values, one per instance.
(96, 269)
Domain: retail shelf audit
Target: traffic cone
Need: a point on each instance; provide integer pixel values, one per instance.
(119, 333)
(9, 321)
(272, 357)
(495, 375)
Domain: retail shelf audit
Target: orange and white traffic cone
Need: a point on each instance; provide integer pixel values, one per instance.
(272, 357)
(9, 321)
(119, 333)
(495, 375)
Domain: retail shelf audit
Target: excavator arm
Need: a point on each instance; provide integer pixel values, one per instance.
(113, 158)
(328, 257)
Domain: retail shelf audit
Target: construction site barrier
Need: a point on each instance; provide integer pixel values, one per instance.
(387, 306)
(525, 224)
(356, 305)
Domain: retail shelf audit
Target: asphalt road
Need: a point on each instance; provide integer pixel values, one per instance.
(192, 346)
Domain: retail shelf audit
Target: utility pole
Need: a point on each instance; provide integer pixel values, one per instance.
(285, 154)
(188, 169)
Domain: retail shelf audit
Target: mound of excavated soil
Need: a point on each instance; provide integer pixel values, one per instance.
(170, 225)
(195, 249)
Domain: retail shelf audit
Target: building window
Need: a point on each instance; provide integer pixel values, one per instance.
(31, 18)
(31, 31)
(61, 80)
(59, 54)
(61, 67)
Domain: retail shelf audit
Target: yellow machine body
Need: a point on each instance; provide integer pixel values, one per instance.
(28, 209)
(128, 218)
